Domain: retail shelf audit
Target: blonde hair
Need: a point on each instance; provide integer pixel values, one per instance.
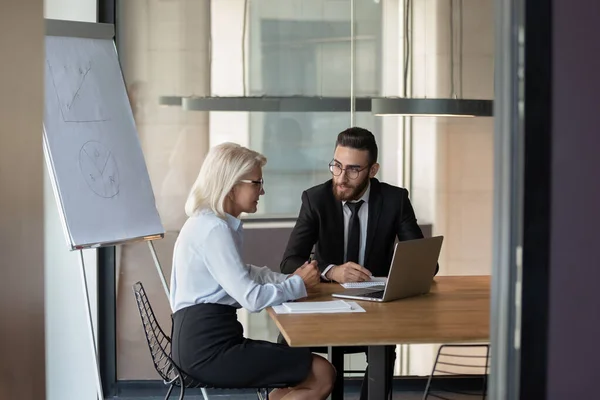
(221, 170)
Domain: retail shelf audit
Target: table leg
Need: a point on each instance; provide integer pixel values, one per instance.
(336, 357)
(378, 364)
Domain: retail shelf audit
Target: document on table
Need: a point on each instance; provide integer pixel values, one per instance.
(375, 281)
(318, 307)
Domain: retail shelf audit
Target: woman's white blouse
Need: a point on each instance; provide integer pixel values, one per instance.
(208, 268)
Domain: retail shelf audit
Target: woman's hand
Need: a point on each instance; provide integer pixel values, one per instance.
(310, 274)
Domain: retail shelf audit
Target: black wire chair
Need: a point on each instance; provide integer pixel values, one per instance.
(159, 345)
(450, 363)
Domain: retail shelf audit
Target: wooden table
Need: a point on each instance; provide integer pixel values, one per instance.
(456, 310)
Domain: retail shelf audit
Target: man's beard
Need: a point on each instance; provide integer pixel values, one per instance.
(354, 193)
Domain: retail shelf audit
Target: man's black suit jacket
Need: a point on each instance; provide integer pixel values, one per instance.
(321, 222)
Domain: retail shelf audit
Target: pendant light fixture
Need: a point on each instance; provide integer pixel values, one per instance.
(454, 106)
(431, 107)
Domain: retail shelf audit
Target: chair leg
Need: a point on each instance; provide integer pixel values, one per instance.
(204, 394)
(390, 358)
(169, 392)
(182, 394)
(426, 394)
(485, 374)
(262, 393)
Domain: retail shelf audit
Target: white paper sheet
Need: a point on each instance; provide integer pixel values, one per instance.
(319, 307)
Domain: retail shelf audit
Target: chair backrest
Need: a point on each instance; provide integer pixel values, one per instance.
(463, 360)
(159, 343)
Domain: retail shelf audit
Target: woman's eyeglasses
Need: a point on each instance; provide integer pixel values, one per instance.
(260, 182)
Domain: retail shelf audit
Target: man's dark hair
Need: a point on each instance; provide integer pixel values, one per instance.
(360, 139)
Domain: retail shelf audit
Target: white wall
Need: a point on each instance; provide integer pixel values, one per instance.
(391, 147)
(22, 373)
(68, 350)
(226, 72)
(453, 157)
(464, 151)
(72, 10)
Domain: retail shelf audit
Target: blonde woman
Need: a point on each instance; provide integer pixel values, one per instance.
(209, 281)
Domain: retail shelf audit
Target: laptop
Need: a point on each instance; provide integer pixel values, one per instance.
(411, 273)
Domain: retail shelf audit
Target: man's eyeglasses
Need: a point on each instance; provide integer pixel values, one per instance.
(351, 172)
(260, 182)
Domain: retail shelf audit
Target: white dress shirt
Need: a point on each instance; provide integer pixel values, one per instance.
(363, 217)
(208, 268)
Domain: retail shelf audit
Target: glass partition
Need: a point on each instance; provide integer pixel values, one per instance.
(318, 56)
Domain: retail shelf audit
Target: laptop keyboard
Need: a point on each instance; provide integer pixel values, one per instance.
(375, 295)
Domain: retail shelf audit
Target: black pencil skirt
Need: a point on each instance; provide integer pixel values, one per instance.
(208, 344)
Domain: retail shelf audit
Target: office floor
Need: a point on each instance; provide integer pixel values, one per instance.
(249, 396)
(349, 396)
(351, 393)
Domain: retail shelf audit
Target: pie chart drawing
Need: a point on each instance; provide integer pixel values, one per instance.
(99, 169)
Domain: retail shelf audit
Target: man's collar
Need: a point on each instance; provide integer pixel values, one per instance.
(364, 197)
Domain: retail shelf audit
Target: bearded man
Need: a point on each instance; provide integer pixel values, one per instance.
(353, 219)
(352, 222)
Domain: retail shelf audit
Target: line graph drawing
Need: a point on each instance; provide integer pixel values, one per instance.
(81, 82)
(99, 169)
(77, 87)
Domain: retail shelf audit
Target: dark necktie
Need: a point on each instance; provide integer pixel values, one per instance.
(353, 233)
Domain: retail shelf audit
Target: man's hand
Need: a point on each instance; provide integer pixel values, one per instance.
(349, 272)
(309, 273)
